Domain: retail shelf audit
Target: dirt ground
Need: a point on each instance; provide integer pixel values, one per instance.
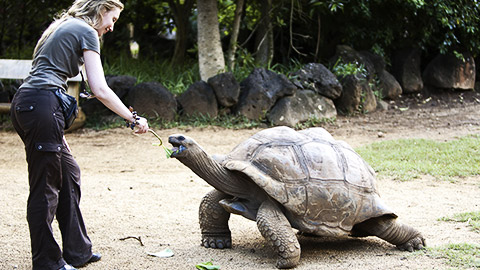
(136, 201)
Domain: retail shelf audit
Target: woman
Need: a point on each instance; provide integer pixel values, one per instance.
(54, 175)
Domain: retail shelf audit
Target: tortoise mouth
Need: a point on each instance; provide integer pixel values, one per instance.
(178, 147)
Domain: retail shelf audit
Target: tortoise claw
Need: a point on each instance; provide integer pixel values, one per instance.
(415, 243)
(216, 242)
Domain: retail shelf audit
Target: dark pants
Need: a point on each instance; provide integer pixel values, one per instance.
(54, 180)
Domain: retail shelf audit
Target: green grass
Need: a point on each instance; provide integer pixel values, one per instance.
(175, 79)
(460, 256)
(406, 159)
(224, 121)
(472, 218)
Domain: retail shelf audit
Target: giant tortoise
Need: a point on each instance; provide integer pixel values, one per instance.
(282, 178)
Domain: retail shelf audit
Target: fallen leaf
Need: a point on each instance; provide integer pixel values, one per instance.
(162, 254)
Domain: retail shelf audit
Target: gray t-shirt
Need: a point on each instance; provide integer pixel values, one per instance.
(61, 55)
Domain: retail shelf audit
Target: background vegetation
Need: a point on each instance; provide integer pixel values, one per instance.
(300, 32)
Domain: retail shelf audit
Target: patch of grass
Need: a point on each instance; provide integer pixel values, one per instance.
(200, 121)
(407, 159)
(175, 78)
(471, 218)
(226, 121)
(461, 256)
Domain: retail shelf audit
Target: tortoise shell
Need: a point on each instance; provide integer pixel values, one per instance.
(324, 185)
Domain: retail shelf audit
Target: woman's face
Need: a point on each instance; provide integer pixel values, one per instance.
(109, 19)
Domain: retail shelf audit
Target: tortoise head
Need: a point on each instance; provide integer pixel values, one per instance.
(182, 145)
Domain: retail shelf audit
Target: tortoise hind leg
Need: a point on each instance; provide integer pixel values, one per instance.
(276, 229)
(214, 221)
(389, 229)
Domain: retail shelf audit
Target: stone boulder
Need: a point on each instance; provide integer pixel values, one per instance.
(259, 92)
(449, 72)
(199, 99)
(318, 78)
(302, 106)
(357, 96)
(346, 54)
(121, 85)
(152, 99)
(374, 59)
(390, 88)
(407, 71)
(226, 88)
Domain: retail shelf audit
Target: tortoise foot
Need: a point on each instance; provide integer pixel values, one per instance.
(415, 243)
(217, 241)
(287, 262)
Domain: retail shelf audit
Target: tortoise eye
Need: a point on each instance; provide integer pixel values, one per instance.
(181, 138)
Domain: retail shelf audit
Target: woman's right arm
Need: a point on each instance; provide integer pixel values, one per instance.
(98, 84)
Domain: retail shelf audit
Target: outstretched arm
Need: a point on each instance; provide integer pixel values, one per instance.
(100, 89)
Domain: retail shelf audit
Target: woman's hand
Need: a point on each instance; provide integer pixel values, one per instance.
(142, 125)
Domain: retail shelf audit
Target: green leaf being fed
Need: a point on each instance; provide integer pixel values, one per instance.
(207, 266)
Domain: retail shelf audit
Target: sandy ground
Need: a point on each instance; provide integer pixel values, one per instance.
(135, 200)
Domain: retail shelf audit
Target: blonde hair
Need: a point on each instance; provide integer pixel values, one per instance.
(90, 11)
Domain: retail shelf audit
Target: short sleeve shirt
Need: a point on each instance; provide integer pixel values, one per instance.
(61, 55)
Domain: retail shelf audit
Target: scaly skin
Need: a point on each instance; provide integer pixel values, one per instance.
(214, 221)
(389, 229)
(275, 228)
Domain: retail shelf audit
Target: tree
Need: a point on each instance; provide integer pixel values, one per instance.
(264, 48)
(232, 48)
(210, 53)
(181, 13)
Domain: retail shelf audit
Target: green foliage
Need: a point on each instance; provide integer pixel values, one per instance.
(175, 79)
(98, 122)
(225, 121)
(471, 218)
(461, 256)
(406, 159)
(341, 69)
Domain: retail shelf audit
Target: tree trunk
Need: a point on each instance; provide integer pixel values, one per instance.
(234, 37)
(264, 37)
(181, 13)
(210, 53)
(319, 32)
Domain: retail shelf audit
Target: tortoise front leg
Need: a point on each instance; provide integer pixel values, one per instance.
(214, 221)
(389, 229)
(276, 229)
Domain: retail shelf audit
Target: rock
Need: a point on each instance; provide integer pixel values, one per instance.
(389, 86)
(259, 92)
(357, 96)
(199, 99)
(406, 69)
(376, 60)
(318, 78)
(346, 54)
(302, 106)
(226, 88)
(121, 85)
(152, 99)
(382, 105)
(448, 71)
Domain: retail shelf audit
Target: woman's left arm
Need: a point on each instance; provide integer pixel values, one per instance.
(98, 84)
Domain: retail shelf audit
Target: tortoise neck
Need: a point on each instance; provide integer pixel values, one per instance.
(215, 174)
